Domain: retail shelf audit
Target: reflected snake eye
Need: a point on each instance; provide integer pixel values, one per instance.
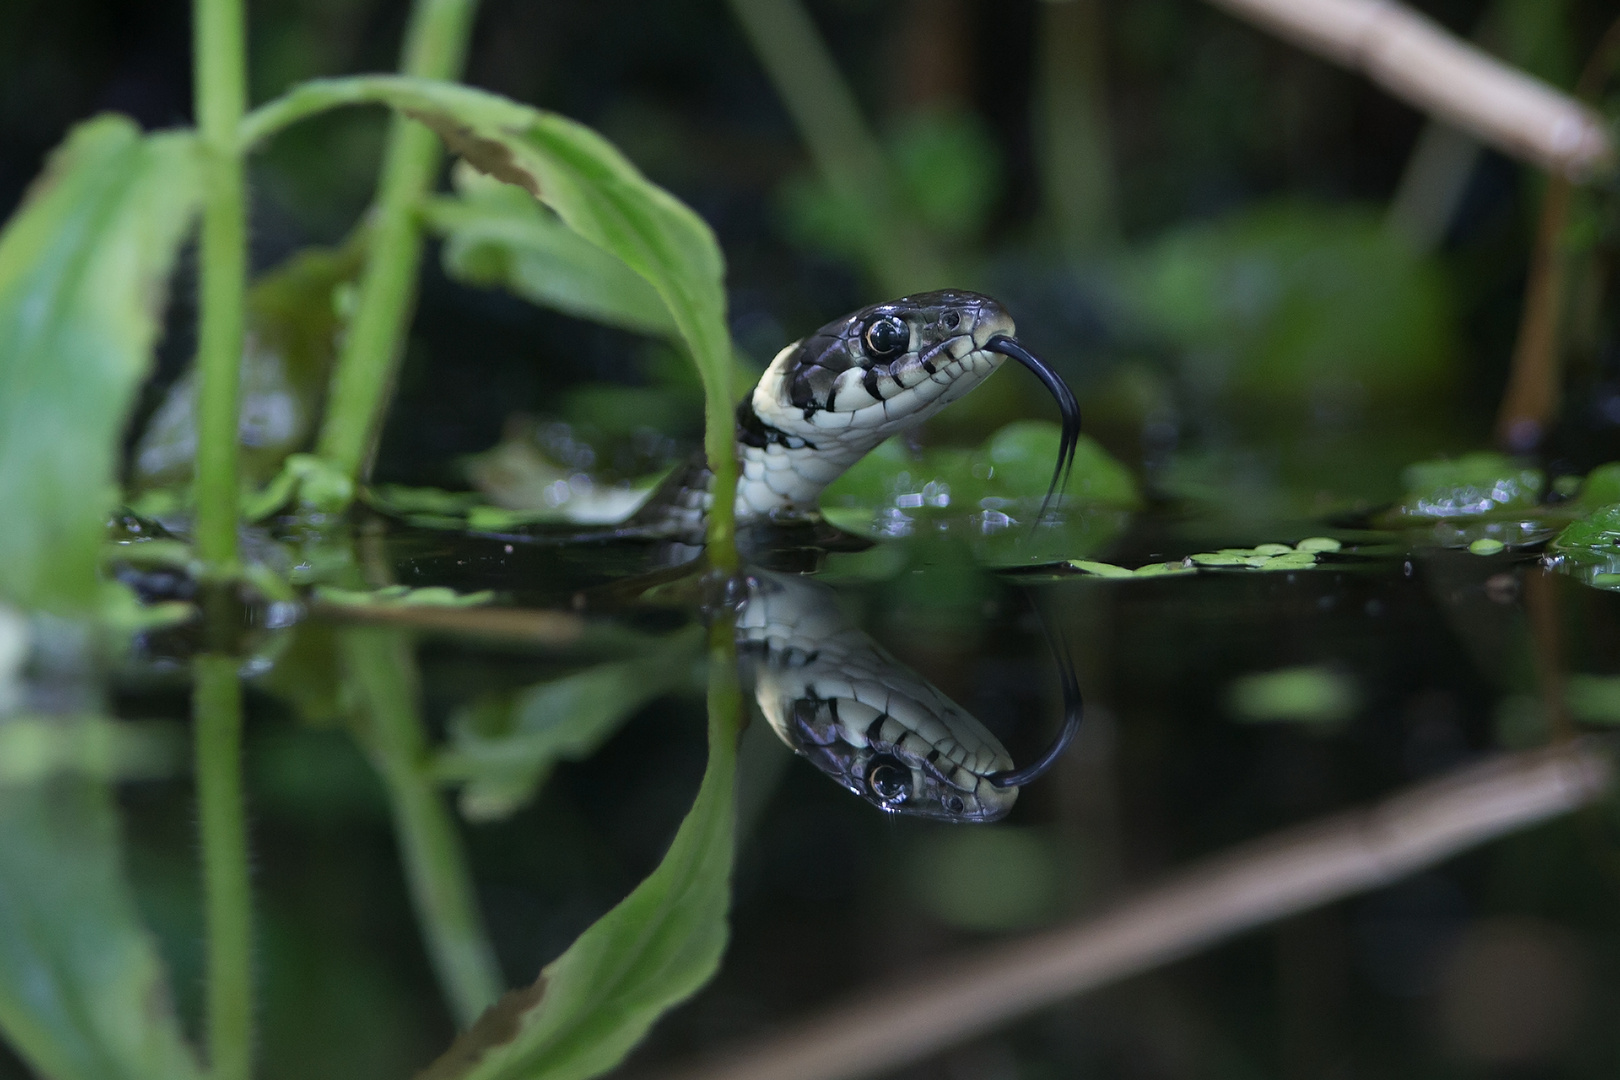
(885, 337)
(955, 804)
(889, 780)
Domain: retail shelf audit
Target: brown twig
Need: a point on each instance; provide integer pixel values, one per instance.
(1420, 62)
(1288, 872)
(1535, 381)
(537, 626)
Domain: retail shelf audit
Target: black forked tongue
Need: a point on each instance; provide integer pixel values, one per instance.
(1073, 709)
(1067, 405)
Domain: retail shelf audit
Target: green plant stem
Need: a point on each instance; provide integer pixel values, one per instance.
(845, 151)
(382, 670)
(217, 708)
(1078, 180)
(435, 47)
(221, 99)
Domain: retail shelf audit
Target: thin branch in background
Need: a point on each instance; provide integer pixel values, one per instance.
(1420, 62)
(1257, 883)
(1432, 185)
(363, 380)
(844, 150)
(528, 626)
(1535, 381)
(1076, 156)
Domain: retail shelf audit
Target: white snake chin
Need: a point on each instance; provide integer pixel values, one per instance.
(859, 715)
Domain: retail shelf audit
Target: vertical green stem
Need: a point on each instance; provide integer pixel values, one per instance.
(842, 146)
(221, 98)
(217, 706)
(435, 47)
(1075, 166)
(380, 664)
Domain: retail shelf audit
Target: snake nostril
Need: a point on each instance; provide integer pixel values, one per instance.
(956, 805)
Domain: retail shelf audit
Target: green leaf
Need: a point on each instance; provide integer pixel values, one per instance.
(596, 192)
(505, 747)
(497, 235)
(83, 995)
(83, 266)
(400, 596)
(657, 947)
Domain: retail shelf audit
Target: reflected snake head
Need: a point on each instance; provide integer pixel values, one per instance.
(903, 776)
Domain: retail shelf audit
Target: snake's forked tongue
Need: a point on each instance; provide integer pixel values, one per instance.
(1067, 405)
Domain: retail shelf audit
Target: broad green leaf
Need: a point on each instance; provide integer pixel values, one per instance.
(596, 192)
(657, 947)
(505, 747)
(496, 234)
(83, 995)
(398, 596)
(83, 267)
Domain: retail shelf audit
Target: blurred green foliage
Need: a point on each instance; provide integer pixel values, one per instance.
(1290, 305)
(83, 269)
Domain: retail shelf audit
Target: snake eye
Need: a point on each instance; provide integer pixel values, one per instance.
(889, 780)
(955, 804)
(950, 320)
(885, 337)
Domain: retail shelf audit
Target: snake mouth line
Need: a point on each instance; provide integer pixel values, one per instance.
(1067, 406)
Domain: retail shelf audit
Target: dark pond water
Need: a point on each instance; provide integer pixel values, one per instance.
(1220, 706)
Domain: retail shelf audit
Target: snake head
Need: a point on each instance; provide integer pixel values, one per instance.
(883, 368)
(827, 400)
(877, 757)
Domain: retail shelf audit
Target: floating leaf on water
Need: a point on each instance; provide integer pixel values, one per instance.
(1101, 569)
(394, 596)
(1487, 546)
(1318, 544)
(1600, 488)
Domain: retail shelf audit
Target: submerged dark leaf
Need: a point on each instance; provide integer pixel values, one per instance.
(504, 748)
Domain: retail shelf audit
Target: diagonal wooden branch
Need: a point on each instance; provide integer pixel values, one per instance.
(1419, 61)
(1291, 871)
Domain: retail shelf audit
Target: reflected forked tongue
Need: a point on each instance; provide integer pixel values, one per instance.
(1067, 405)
